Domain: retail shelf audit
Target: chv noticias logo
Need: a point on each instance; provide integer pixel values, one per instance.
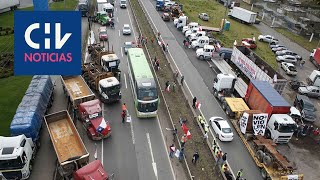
(47, 43)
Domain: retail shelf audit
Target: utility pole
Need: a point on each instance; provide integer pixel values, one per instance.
(225, 15)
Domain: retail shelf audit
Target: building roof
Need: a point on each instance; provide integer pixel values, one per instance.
(269, 93)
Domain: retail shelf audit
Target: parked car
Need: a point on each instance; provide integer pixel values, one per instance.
(288, 52)
(273, 43)
(267, 38)
(127, 45)
(103, 35)
(226, 53)
(310, 91)
(126, 30)
(274, 50)
(221, 128)
(287, 58)
(276, 45)
(249, 42)
(304, 104)
(204, 16)
(289, 68)
(165, 16)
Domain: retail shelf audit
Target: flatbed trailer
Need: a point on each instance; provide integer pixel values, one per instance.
(209, 29)
(70, 150)
(77, 90)
(281, 170)
(234, 106)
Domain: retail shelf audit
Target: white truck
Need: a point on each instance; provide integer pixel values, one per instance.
(123, 3)
(9, 5)
(205, 52)
(182, 21)
(200, 42)
(100, 4)
(243, 15)
(191, 25)
(314, 78)
(196, 35)
(16, 156)
(191, 31)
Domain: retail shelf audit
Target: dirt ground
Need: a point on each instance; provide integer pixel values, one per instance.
(178, 107)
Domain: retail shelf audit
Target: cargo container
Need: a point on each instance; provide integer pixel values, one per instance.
(315, 57)
(261, 96)
(243, 15)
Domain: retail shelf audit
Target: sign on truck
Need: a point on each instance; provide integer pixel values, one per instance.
(70, 150)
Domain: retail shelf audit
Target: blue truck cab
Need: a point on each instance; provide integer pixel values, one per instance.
(160, 5)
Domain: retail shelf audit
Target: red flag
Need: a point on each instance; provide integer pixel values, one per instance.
(198, 105)
(184, 128)
(189, 134)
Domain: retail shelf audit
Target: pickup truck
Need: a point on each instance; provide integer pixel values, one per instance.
(70, 150)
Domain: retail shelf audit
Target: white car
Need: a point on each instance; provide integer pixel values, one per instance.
(278, 49)
(267, 38)
(126, 30)
(289, 68)
(204, 16)
(286, 58)
(221, 128)
(288, 52)
(276, 45)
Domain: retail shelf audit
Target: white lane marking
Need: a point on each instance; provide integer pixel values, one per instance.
(102, 140)
(185, 81)
(125, 80)
(119, 32)
(116, 9)
(132, 132)
(121, 51)
(117, 19)
(154, 165)
(134, 34)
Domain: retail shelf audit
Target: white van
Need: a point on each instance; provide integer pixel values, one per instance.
(123, 3)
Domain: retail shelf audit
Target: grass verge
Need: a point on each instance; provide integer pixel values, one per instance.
(178, 107)
(237, 31)
(12, 90)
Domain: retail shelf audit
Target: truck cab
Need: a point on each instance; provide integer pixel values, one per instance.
(190, 26)
(16, 155)
(93, 170)
(205, 52)
(92, 118)
(182, 21)
(110, 63)
(193, 30)
(123, 3)
(102, 18)
(200, 42)
(314, 78)
(83, 7)
(280, 128)
(160, 5)
(109, 9)
(195, 36)
(109, 89)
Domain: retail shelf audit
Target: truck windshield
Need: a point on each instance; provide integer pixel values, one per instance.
(109, 10)
(123, 2)
(83, 7)
(11, 164)
(113, 89)
(95, 115)
(289, 128)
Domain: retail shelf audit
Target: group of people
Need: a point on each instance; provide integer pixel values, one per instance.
(221, 162)
(307, 130)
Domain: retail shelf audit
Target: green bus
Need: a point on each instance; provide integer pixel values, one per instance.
(143, 84)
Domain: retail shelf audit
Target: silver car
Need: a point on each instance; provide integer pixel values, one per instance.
(126, 30)
(204, 16)
(289, 68)
(288, 52)
(310, 91)
(287, 58)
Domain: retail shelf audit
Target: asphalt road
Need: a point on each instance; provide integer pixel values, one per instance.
(199, 78)
(132, 148)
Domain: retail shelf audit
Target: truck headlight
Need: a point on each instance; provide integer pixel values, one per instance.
(105, 96)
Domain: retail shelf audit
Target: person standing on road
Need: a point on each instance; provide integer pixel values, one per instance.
(194, 100)
(239, 174)
(182, 80)
(302, 62)
(181, 154)
(224, 157)
(123, 116)
(195, 158)
(183, 140)
(184, 42)
(172, 149)
(205, 137)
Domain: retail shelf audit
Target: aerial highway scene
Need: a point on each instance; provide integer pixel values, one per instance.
(159, 89)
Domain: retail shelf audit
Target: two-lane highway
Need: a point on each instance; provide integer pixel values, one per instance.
(135, 150)
(197, 77)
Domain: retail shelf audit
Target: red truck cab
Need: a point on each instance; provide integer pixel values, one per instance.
(249, 43)
(92, 118)
(93, 170)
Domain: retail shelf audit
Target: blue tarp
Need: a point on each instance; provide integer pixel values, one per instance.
(30, 112)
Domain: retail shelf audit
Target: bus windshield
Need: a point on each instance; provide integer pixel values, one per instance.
(147, 94)
(147, 107)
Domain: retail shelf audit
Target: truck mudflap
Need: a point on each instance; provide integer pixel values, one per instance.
(267, 172)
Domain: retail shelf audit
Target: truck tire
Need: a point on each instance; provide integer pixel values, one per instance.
(228, 111)
(215, 93)
(224, 106)
(268, 134)
(267, 160)
(201, 57)
(260, 154)
(264, 174)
